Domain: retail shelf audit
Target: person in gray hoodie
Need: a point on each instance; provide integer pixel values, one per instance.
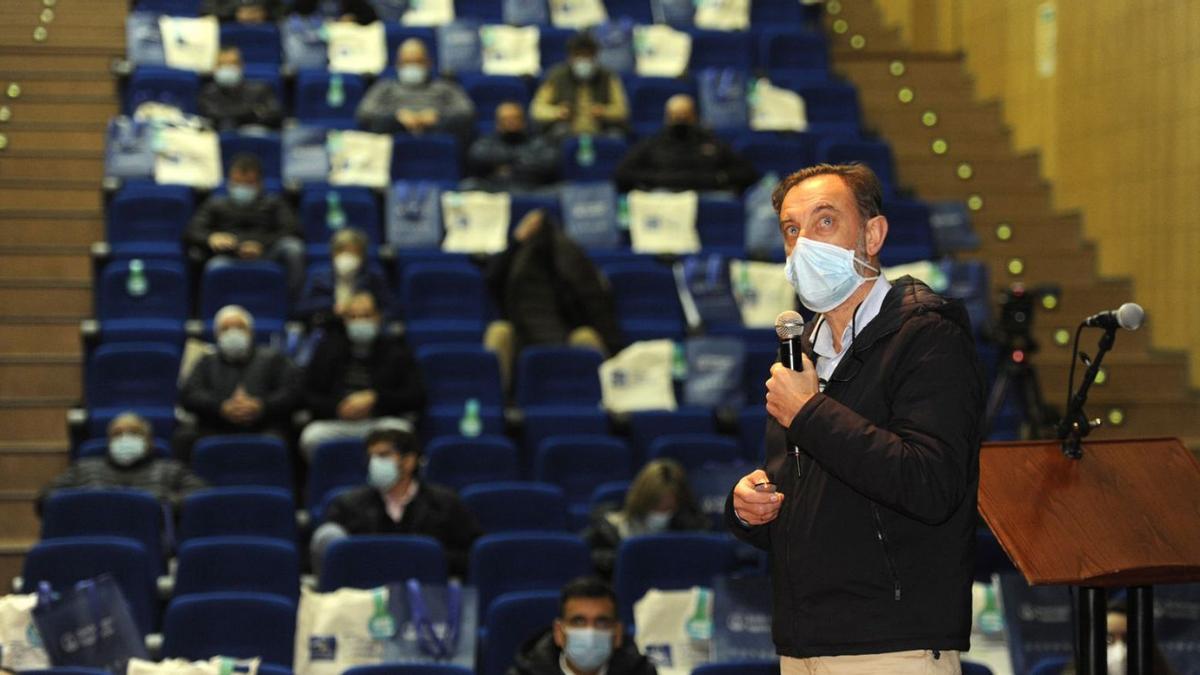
(415, 101)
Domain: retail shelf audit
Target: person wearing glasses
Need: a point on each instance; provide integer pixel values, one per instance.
(866, 503)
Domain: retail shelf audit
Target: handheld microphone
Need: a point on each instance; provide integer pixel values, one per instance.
(1128, 316)
(789, 326)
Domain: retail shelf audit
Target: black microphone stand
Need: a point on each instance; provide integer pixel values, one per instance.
(1074, 425)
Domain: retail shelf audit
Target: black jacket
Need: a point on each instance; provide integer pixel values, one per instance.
(435, 511)
(264, 220)
(394, 376)
(247, 103)
(316, 300)
(539, 656)
(872, 551)
(501, 163)
(267, 375)
(693, 160)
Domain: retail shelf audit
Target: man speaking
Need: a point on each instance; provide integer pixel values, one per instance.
(867, 504)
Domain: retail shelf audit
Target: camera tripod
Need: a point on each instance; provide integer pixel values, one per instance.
(1015, 375)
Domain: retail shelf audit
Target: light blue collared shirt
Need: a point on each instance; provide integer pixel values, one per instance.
(822, 341)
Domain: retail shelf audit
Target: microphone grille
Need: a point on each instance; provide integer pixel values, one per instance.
(789, 325)
(1130, 315)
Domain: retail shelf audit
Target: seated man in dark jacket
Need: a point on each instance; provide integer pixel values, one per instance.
(510, 158)
(359, 377)
(395, 502)
(328, 290)
(684, 156)
(243, 388)
(230, 101)
(130, 463)
(586, 638)
(247, 224)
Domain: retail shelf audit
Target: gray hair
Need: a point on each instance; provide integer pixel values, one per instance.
(130, 415)
(233, 310)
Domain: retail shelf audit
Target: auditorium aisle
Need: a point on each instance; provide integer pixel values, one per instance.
(56, 94)
(950, 146)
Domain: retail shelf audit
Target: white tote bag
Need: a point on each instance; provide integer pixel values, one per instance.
(359, 158)
(674, 628)
(190, 43)
(661, 51)
(20, 644)
(663, 222)
(475, 222)
(187, 156)
(338, 630)
(775, 108)
(356, 49)
(428, 13)
(722, 14)
(639, 378)
(217, 665)
(510, 50)
(577, 14)
(761, 290)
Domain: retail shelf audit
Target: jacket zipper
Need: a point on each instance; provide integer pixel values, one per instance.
(887, 554)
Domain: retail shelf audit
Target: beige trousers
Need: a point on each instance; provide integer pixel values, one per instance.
(916, 662)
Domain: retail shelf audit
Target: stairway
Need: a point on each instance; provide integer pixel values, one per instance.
(950, 146)
(56, 97)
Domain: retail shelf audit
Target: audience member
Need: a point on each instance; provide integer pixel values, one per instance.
(549, 293)
(415, 101)
(129, 463)
(242, 11)
(581, 96)
(359, 377)
(396, 501)
(242, 388)
(659, 500)
(358, 11)
(684, 156)
(511, 158)
(247, 224)
(587, 638)
(231, 101)
(328, 289)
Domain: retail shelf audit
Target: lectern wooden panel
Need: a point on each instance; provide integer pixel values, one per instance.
(1126, 514)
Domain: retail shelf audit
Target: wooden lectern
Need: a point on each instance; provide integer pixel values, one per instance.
(1126, 514)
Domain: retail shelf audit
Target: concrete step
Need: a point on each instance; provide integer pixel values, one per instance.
(919, 69)
(93, 110)
(50, 165)
(75, 14)
(40, 421)
(911, 139)
(64, 299)
(77, 229)
(1129, 377)
(1149, 419)
(18, 520)
(1019, 171)
(41, 376)
(959, 122)
(1015, 200)
(57, 337)
(12, 557)
(61, 84)
(1040, 268)
(20, 197)
(110, 37)
(73, 263)
(47, 59)
(25, 140)
(26, 466)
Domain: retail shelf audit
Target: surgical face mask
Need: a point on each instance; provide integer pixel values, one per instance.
(588, 648)
(583, 69)
(1116, 657)
(234, 343)
(346, 264)
(382, 473)
(227, 76)
(824, 275)
(126, 449)
(362, 331)
(241, 193)
(411, 73)
(657, 521)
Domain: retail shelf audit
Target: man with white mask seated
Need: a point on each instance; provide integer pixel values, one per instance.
(129, 463)
(241, 388)
(416, 101)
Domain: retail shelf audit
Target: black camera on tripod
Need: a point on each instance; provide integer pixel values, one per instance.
(1015, 375)
(1013, 331)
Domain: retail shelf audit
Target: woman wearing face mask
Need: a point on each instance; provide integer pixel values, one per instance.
(130, 462)
(580, 96)
(659, 500)
(328, 289)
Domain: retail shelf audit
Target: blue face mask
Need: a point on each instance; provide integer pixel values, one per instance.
(242, 194)
(411, 73)
(227, 76)
(824, 275)
(588, 648)
(382, 473)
